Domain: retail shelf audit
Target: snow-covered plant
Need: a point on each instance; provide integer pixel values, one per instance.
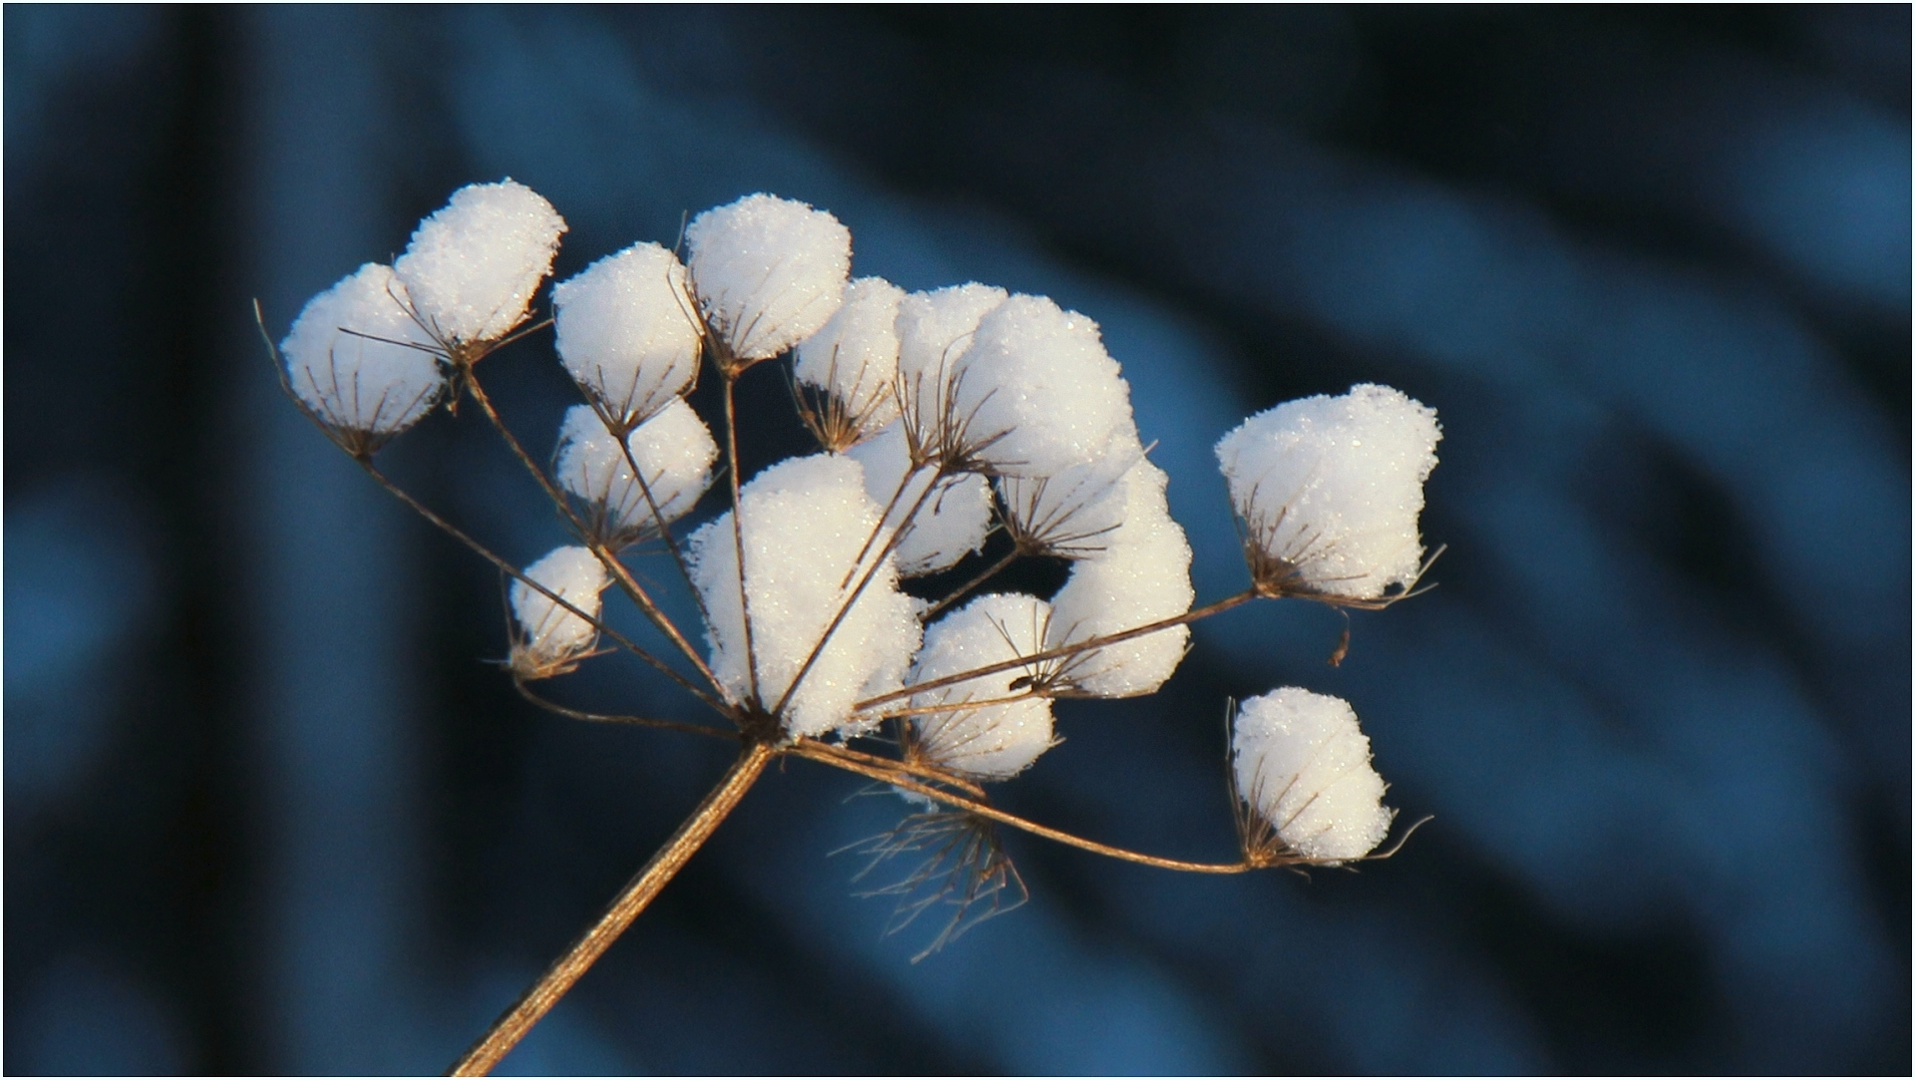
(960, 430)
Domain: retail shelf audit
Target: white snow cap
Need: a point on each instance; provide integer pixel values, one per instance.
(551, 638)
(950, 523)
(1331, 487)
(934, 328)
(473, 266)
(1141, 576)
(854, 357)
(1036, 390)
(626, 333)
(674, 451)
(353, 380)
(990, 742)
(804, 521)
(1302, 763)
(1074, 513)
(768, 271)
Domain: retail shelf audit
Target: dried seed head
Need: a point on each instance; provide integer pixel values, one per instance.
(472, 267)
(768, 272)
(359, 364)
(1303, 766)
(1329, 489)
(552, 639)
(626, 332)
(853, 362)
(984, 741)
(674, 451)
(934, 329)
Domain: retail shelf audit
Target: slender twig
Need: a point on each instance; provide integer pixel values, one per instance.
(895, 778)
(737, 526)
(989, 573)
(1072, 649)
(626, 583)
(551, 706)
(645, 488)
(818, 750)
(516, 574)
(958, 706)
(539, 998)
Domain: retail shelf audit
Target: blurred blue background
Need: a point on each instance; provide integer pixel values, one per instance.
(267, 810)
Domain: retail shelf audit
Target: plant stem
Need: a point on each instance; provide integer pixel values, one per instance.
(1071, 649)
(538, 999)
(989, 573)
(984, 810)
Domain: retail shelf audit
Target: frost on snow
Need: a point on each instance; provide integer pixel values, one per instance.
(1304, 766)
(854, 360)
(553, 639)
(345, 361)
(768, 272)
(988, 742)
(674, 451)
(804, 523)
(626, 332)
(1329, 489)
(951, 521)
(472, 267)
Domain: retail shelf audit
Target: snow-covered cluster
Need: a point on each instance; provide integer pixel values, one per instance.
(1002, 731)
(804, 530)
(626, 332)
(552, 637)
(1304, 766)
(359, 363)
(769, 272)
(1329, 489)
(943, 417)
(472, 267)
(674, 453)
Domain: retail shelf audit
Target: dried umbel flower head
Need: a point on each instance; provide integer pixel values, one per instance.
(852, 362)
(1303, 766)
(768, 272)
(999, 730)
(673, 453)
(472, 267)
(626, 332)
(1329, 489)
(942, 417)
(553, 637)
(359, 364)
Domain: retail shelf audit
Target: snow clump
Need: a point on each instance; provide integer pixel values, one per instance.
(345, 361)
(626, 333)
(951, 521)
(472, 267)
(768, 272)
(674, 451)
(1329, 489)
(804, 524)
(1036, 391)
(1304, 766)
(1074, 513)
(988, 742)
(552, 639)
(1141, 576)
(854, 359)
